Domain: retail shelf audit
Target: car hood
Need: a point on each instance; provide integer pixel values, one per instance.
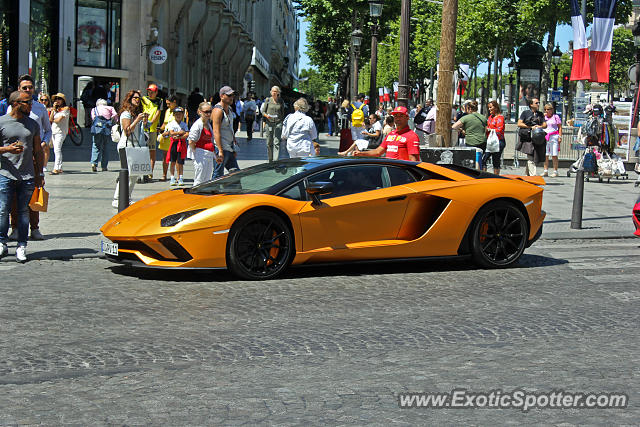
(143, 217)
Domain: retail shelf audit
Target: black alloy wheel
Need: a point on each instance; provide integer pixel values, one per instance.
(260, 246)
(499, 235)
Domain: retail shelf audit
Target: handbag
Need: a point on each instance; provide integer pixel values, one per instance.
(115, 133)
(138, 160)
(39, 200)
(164, 144)
(493, 143)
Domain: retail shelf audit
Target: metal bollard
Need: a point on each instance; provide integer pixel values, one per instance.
(578, 196)
(123, 177)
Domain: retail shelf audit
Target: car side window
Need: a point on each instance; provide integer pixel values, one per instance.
(351, 179)
(296, 192)
(399, 176)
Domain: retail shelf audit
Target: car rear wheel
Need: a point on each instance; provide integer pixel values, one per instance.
(260, 246)
(499, 235)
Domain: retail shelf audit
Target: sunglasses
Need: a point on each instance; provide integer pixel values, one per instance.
(206, 112)
(29, 102)
(135, 97)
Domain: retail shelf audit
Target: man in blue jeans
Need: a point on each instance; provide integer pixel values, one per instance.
(21, 159)
(223, 133)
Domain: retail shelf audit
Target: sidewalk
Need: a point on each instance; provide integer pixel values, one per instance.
(80, 201)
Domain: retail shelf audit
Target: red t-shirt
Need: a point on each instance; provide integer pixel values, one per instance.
(206, 139)
(497, 123)
(401, 143)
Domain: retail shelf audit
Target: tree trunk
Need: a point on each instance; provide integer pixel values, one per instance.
(546, 75)
(488, 86)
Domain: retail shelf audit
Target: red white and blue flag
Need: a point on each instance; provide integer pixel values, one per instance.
(381, 94)
(601, 40)
(580, 67)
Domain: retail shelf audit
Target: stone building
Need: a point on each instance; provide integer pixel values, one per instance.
(65, 44)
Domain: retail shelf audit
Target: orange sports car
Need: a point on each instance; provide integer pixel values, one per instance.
(258, 221)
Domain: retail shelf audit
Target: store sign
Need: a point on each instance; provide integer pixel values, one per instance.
(157, 55)
(258, 61)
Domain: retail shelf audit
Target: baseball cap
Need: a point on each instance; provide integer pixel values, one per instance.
(153, 87)
(226, 90)
(178, 110)
(587, 109)
(400, 110)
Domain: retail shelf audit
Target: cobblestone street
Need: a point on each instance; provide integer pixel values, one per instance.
(96, 343)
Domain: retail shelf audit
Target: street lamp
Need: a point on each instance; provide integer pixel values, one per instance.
(636, 41)
(510, 103)
(356, 41)
(375, 10)
(556, 58)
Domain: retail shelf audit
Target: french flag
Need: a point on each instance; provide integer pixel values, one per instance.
(387, 97)
(381, 94)
(580, 67)
(601, 40)
(395, 89)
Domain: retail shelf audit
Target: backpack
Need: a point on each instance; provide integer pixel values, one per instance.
(101, 125)
(357, 117)
(592, 127)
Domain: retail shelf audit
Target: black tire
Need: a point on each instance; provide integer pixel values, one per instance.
(260, 246)
(499, 235)
(75, 135)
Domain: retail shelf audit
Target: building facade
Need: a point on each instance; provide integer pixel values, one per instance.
(65, 44)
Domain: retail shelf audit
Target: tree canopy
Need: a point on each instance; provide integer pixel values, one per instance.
(483, 26)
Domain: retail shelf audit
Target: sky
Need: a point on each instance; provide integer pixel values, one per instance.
(564, 34)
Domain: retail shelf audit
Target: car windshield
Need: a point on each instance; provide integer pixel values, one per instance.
(255, 179)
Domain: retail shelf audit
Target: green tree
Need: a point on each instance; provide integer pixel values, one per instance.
(314, 84)
(622, 57)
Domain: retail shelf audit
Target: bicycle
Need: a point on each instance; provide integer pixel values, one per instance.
(75, 133)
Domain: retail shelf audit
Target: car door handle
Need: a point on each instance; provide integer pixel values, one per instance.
(396, 198)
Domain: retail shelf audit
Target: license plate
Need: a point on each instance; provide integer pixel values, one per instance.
(109, 248)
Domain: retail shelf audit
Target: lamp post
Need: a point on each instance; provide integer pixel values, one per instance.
(375, 10)
(510, 100)
(356, 41)
(556, 57)
(636, 41)
(403, 72)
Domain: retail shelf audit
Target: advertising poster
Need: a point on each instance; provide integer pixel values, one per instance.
(529, 85)
(622, 121)
(91, 39)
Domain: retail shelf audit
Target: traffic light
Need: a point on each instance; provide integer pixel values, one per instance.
(565, 84)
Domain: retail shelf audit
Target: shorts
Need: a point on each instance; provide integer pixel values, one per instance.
(152, 141)
(553, 145)
(175, 154)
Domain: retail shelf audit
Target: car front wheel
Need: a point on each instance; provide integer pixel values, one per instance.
(260, 246)
(499, 236)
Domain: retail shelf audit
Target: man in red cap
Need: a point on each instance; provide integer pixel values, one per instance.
(152, 105)
(401, 143)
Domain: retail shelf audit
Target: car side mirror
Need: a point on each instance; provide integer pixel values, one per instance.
(316, 189)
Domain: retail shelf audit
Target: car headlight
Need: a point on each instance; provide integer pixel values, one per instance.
(171, 220)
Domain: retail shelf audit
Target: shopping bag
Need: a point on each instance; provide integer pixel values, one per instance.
(493, 143)
(138, 160)
(115, 133)
(39, 200)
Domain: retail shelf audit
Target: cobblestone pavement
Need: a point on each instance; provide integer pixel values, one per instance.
(92, 343)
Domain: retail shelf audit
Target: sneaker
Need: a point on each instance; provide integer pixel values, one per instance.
(36, 235)
(94, 168)
(21, 254)
(4, 250)
(105, 170)
(545, 173)
(14, 234)
(180, 182)
(44, 170)
(172, 182)
(554, 174)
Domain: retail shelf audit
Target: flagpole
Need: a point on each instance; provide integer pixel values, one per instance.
(583, 12)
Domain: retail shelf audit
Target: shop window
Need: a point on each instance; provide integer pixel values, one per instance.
(41, 44)
(98, 33)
